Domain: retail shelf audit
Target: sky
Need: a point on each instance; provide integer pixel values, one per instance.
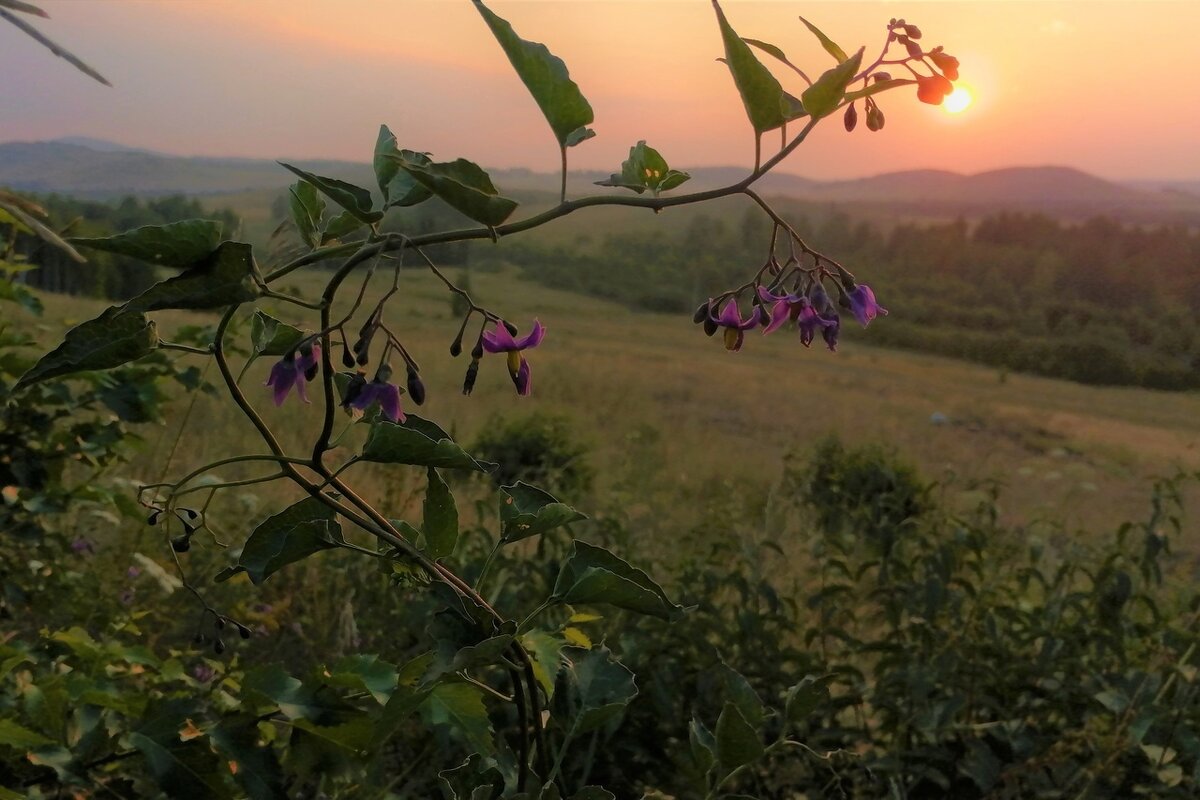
(1100, 85)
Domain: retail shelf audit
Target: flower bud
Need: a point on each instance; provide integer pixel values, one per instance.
(914, 49)
(416, 389)
(310, 374)
(154, 517)
(181, 543)
(477, 350)
(219, 646)
(384, 373)
(710, 326)
(243, 631)
(874, 118)
(851, 118)
(880, 77)
(511, 328)
(472, 374)
(701, 313)
(347, 358)
(456, 347)
(199, 639)
(947, 64)
(933, 90)
(912, 31)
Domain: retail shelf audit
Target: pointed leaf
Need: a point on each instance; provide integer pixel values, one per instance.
(594, 575)
(110, 340)
(459, 707)
(258, 771)
(306, 207)
(340, 227)
(827, 92)
(761, 93)
(14, 735)
(547, 78)
(354, 199)
(12, 207)
(645, 169)
(398, 186)
(528, 511)
(187, 771)
(295, 533)
(272, 337)
(465, 187)
(392, 443)
(440, 526)
(591, 689)
(830, 46)
(228, 276)
(176, 244)
(805, 696)
(738, 742)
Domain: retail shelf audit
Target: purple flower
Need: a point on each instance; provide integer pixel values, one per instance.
(294, 370)
(830, 332)
(863, 305)
(81, 545)
(735, 327)
(203, 673)
(501, 341)
(132, 572)
(363, 394)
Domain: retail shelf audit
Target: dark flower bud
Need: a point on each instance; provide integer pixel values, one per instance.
(181, 543)
(354, 388)
(477, 350)
(243, 631)
(874, 118)
(710, 326)
(219, 646)
(511, 328)
(384, 373)
(456, 348)
(701, 313)
(362, 359)
(830, 333)
(933, 90)
(914, 49)
(347, 358)
(416, 389)
(880, 77)
(154, 517)
(947, 64)
(220, 623)
(472, 374)
(199, 639)
(851, 118)
(913, 31)
(818, 297)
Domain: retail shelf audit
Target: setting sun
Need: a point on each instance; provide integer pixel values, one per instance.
(957, 101)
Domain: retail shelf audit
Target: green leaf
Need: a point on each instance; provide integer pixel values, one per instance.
(645, 169)
(830, 46)
(306, 207)
(14, 735)
(828, 91)
(185, 772)
(805, 696)
(702, 744)
(20, 294)
(738, 742)
(22, 213)
(398, 186)
(110, 340)
(366, 672)
(440, 526)
(739, 692)
(297, 700)
(761, 93)
(340, 227)
(546, 653)
(293, 534)
(459, 707)
(547, 78)
(464, 186)
(258, 770)
(228, 276)
(592, 689)
(528, 511)
(594, 575)
(354, 199)
(408, 443)
(176, 244)
(272, 337)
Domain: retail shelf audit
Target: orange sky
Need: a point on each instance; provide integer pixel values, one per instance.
(1102, 86)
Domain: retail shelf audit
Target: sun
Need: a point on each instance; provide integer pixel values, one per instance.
(957, 101)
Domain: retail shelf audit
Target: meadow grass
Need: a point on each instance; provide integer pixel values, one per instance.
(669, 414)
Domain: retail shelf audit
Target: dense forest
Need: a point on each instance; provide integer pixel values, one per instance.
(1096, 302)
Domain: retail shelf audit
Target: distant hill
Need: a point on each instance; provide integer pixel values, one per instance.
(98, 169)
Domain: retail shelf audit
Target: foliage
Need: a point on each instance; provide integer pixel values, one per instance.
(542, 449)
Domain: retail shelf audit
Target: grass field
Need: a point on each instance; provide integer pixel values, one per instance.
(671, 416)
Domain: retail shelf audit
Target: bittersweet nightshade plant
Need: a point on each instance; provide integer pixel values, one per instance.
(486, 655)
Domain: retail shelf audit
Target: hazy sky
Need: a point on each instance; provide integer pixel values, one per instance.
(1107, 87)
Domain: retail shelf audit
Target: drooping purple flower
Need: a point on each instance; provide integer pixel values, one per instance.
(362, 394)
(830, 332)
(863, 305)
(735, 327)
(809, 321)
(501, 340)
(294, 369)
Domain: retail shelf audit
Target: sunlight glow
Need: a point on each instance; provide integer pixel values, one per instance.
(957, 101)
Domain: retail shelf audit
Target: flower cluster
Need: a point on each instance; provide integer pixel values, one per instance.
(810, 311)
(296, 369)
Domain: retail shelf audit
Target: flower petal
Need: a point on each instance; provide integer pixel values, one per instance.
(389, 402)
(533, 338)
(499, 340)
(283, 376)
(780, 313)
(730, 317)
(523, 380)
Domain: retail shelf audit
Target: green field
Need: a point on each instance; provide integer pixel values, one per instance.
(670, 413)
